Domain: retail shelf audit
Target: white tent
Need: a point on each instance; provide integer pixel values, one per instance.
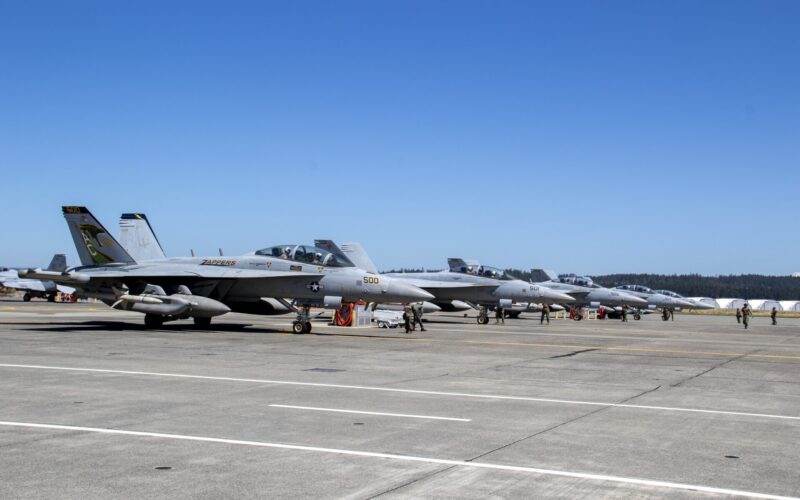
(790, 305)
(731, 303)
(764, 304)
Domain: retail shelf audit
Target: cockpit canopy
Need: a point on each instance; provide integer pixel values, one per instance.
(485, 271)
(635, 288)
(307, 254)
(669, 293)
(571, 279)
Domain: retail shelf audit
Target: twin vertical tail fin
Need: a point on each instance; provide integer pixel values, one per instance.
(137, 237)
(541, 275)
(94, 243)
(58, 264)
(358, 256)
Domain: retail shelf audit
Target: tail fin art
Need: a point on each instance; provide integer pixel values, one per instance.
(95, 245)
(137, 237)
(58, 264)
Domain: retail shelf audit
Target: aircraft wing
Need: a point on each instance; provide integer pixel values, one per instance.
(25, 284)
(161, 273)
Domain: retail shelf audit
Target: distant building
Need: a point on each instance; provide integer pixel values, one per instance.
(795, 275)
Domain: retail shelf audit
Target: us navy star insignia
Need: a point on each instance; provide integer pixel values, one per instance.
(314, 286)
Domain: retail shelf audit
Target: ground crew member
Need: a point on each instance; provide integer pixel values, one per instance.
(545, 314)
(738, 315)
(625, 313)
(406, 319)
(499, 315)
(665, 314)
(672, 314)
(416, 317)
(746, 313)
(774, 315)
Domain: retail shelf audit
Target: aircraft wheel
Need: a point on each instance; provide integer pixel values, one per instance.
(51, 297)
(203, 323)
(297, 327)
(26, 297)
(482, 320)
(307, 327)
(637, 317)
(153, 320)
(577, 316)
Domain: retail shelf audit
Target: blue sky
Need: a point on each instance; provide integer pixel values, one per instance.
(593, 137)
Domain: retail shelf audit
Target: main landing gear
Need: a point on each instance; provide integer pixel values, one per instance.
(303, 323)
(483, 315)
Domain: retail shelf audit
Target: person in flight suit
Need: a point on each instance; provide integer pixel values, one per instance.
(545, 314)
(746, 313)
(774, 315)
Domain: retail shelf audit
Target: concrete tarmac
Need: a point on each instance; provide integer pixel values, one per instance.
(96, 406)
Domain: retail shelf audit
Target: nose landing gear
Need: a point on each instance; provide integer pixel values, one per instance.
(303, 323)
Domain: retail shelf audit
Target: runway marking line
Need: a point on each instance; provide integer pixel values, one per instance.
(406, 391)
(335, 410)
(636, 349)
(408, 458)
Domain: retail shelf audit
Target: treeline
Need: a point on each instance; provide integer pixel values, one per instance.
(744, 286)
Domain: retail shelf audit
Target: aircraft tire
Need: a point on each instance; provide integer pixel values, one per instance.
(26, 297)
(153, 320)
(482, 320)
(204, 323)
(51, 297)
(637, 317)
(307, 327)
(577, 316)
(298, 327)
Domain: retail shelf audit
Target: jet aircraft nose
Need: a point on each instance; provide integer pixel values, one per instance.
(555, 297)
(397, 291)
(633, 300)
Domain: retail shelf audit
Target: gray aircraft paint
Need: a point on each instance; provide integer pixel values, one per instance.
(238, 282)
(9, 278)
(585, 291)
(654, 299)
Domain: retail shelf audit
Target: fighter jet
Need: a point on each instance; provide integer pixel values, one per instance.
(36, 288)
(585, 291)
(655, 299)
(481, 287)
(693, 303)
(204, 287)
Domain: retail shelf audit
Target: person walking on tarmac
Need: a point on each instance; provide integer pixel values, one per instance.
(416, 318)
(746, 313)
(499, 316)
(545, 314)
(738, 315)
(665, 314)
(625, 313)
(774, 315)
(406, 318)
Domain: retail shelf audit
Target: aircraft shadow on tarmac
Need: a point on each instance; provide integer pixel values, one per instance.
(120, 326)
(185, 328)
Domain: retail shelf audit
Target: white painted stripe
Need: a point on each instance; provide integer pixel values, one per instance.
(409, 458)
(406, 391)
(371, 413)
